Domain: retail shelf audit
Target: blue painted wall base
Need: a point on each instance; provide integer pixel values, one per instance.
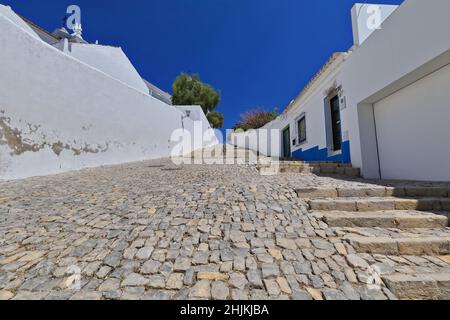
(321, 155)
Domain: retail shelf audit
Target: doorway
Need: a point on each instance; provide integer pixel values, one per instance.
(286, 143)
(336, 124)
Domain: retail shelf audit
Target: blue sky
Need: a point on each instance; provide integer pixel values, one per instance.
(258, 53)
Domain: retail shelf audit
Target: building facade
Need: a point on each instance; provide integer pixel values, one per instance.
(384, 105)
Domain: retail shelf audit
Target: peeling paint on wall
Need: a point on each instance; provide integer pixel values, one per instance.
(12, 137)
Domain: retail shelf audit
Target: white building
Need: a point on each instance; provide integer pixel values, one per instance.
(66, 104)
(384, 105)
(109, 59)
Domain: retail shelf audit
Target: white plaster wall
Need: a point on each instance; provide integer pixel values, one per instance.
(266, 140)
(398, 54)
(110, 60)
(48, 98)
(413, 130)
(198, 116)
(9, 14)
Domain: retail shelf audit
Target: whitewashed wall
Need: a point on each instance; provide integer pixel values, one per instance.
(8, 13)
(412, 43)
(59, 114)
(266, 140)
(413, 130)
(202, 127)
(111, 60)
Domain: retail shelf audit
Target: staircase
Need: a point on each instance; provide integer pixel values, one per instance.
(227, 153)
(407, 221)
(274, 167)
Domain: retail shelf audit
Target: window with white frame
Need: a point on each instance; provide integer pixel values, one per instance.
(301, 129)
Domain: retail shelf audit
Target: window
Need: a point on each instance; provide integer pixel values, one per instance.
(301, 127)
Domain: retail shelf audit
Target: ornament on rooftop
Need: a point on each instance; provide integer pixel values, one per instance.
(72, 20)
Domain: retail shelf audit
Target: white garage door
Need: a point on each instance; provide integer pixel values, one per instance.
(413, 129)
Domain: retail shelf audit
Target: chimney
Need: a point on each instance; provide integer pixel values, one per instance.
(366, 18)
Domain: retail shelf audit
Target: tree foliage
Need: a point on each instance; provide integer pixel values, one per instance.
(190, 90)
(255, 119)
(215, 119)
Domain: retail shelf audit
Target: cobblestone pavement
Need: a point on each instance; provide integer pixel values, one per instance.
(153, 230)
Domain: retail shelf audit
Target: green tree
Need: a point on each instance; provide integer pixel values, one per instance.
(215, 119)
(190, 90)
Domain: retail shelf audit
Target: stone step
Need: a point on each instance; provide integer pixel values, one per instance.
(334, 168)
(375, 191)
(220, 151)
(283, 168)
(380, 204)
(338, 169)
(281, 164)
(401, 219)
(304, 167)
(313, 163)
(420, 286)
(417, 246)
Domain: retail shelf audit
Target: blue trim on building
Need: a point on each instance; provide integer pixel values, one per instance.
(321, 155)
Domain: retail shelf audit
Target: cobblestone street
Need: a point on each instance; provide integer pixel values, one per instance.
(153, 230)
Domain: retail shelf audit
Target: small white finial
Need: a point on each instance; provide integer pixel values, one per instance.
(77, 30)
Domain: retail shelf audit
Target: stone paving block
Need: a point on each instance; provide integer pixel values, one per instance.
(175, 281)
(202, 289)
(6, 295)
(333, 294)
(212, 276)
(315, 294)
(219, 290)
(301, 295)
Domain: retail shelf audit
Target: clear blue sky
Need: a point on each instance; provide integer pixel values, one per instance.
(256, 52)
